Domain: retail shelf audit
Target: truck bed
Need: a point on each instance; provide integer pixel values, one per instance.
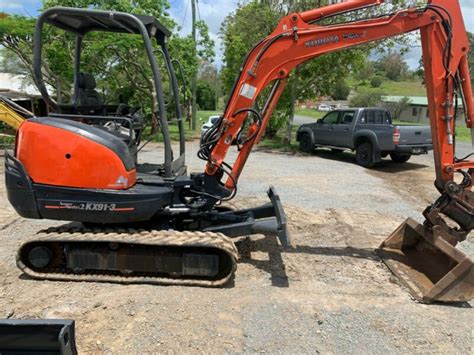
(414, 135)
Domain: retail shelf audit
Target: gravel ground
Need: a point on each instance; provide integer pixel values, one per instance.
(331, 294)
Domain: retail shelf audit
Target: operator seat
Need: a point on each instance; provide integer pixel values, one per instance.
(88, 100)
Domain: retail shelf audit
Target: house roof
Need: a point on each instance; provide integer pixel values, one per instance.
(16, 87)
(414, 100)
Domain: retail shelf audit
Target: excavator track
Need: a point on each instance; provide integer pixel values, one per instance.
(129, 256)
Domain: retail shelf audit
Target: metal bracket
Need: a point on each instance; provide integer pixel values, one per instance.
(37, 336)
(269, 219)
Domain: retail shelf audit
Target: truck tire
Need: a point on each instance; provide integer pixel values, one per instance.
(400, 158)
(306, 143)
(365, 155)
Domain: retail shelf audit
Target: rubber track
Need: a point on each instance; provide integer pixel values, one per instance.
(132, 236)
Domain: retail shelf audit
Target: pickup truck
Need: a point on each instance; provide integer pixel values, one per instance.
(367, 131)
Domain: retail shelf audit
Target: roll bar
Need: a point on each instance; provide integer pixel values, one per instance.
(82, 21)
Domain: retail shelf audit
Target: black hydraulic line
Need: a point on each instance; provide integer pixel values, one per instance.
(259, 118)
(459, 160)
(177, 63)
(175, 89)
(236, 81)
(264, 50)
(77, 67)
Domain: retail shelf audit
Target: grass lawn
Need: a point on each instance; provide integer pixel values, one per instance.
(308, 112)
(410, 87)
(201, 116)
(6, 141)
(277, 143)
(463, 134)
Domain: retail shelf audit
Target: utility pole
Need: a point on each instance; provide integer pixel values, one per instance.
(194, 78)
(217, 90)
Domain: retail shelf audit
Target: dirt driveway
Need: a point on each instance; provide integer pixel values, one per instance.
(330, 294)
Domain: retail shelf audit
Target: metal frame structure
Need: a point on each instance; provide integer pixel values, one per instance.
(82, 21)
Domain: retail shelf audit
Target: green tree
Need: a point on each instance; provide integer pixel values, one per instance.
(117, 61)
(366, 98)
(341, 90)
(393, 66)
(365, 72)
(209, 73)
(314, 78)
(205, 96)
(396, 108)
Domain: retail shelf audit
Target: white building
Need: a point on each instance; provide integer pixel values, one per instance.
(417, 110)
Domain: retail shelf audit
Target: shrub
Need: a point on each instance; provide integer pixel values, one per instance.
(205, 96)
(341, 90)
(376, 82)
(366, 98)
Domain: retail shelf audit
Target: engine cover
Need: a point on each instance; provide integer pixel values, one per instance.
(66, 153)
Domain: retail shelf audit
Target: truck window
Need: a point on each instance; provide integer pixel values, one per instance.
(347, 117)
(378, 117)
(370, 117)
(331, 117)
(386, 117)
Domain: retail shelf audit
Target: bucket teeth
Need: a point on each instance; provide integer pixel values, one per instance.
(425, 262)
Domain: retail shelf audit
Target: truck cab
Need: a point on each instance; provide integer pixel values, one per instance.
(367, 131)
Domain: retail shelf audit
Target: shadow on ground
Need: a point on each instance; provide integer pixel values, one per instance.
(385, 166)
(275, 265)
(276, 268)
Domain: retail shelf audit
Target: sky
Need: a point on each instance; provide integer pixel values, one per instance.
(213, 12)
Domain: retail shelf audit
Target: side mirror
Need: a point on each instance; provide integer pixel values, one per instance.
(320, 121)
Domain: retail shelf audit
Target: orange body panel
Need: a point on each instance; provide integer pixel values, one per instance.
(54, 156)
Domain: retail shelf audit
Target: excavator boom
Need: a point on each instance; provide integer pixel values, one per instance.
(296, 40)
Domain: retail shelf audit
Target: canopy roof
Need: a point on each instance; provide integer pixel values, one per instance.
(82, 21)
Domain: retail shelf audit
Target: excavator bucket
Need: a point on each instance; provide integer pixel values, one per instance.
(433, 269)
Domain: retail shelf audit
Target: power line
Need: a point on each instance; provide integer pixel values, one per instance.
(185, 14)
(199, 11)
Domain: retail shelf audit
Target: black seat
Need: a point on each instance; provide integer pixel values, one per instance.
(88, 100)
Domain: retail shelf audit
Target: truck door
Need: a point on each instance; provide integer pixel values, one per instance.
(342, 131)
(324, 130)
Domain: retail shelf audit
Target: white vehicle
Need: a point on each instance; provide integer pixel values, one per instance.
(210, 122)
(324, 107)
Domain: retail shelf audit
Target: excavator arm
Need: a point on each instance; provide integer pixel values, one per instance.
(296, 40)
(423, 256)
(12, 114)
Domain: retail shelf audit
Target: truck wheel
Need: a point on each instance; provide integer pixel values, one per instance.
(306, 144)
(400, 158)
(365, 155)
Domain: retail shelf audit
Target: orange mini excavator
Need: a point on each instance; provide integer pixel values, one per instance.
(155, 223)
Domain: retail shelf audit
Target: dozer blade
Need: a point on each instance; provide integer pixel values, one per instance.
(37, 336)
(433, 269)
(129, 256)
